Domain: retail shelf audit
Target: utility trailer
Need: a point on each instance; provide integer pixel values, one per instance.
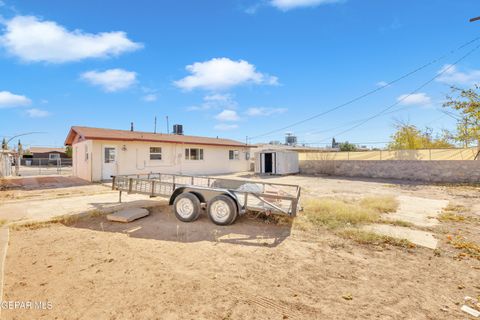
(223, 199)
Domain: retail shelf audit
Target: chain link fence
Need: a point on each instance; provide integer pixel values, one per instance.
(44, 166)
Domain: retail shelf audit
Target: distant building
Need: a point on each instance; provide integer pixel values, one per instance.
(45, 153)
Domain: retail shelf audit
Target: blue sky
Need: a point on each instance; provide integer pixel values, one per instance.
(229, 68)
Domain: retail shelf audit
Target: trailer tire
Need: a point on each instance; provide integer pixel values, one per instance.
(187, 207)
(222, 210)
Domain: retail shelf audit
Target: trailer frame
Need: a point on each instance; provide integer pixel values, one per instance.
(248, 195)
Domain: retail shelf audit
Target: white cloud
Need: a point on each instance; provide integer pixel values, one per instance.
(152, 97)
(452, 76)
(259, 112)
(37, 113)
(421, 99)
(110, 80)
(227, 115)
(222, 73)
(34, 40)
(224, 127)
(292, 4)
(215, 101)
(8, 99)
(382, 84)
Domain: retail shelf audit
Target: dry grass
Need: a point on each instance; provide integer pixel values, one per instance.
(343, 217)
(367, 237)
(468, 248)
(382, 204)
(455, 213)
(335, 213)
(399, 223)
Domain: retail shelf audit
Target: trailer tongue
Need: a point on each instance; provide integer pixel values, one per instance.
(224, 199)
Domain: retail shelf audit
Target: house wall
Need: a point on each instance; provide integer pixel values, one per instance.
(453, 171)
(82, 160)
(134, 158)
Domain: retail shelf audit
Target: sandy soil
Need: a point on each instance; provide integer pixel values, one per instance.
(160, 268)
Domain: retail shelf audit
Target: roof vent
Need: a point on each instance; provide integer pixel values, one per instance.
(178, 129)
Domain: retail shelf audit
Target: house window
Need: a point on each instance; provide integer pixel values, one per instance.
(53, 156)
(193, 154)
(247, 155)
(233, 155)
(110, 155)
(86, 153)
(155, 153)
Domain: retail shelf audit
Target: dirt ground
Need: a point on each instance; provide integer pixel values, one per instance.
(160, 268)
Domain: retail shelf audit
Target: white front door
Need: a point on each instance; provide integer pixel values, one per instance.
(109, 163)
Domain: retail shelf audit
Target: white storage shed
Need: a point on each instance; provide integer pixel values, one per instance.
(276, 162)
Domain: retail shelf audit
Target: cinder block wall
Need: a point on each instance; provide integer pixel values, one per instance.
(428, 171)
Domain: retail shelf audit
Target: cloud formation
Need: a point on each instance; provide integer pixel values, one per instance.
(110, 80)
(9, 100)
(420, 99)
(452, 76)
(227, 115)
(34, 40)
(221, 74)
(262, 112)
(215, 101)
(151, 97)
(285, 5)
(37, 113)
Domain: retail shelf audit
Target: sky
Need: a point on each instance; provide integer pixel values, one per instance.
(233, 68)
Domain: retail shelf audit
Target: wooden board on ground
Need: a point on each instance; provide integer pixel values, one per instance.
(128, 215)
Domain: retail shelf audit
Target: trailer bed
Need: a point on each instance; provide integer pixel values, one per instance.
(250, 195)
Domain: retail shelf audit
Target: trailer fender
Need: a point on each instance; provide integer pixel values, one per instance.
(181, 190)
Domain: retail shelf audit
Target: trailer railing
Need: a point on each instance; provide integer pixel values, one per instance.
(252, 195)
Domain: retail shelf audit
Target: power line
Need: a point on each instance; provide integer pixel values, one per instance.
(411, 93)
(360, 97)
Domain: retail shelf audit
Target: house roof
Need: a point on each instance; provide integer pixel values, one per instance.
(88, 133)
(45, 149)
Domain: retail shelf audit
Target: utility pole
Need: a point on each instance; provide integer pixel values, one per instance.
(168, 126)
(155, 126)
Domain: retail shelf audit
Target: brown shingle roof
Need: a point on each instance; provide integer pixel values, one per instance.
(45, 149)
(89, 133)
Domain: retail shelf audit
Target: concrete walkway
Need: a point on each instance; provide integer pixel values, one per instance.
(45, 209)
(421, 212)
(418, 237)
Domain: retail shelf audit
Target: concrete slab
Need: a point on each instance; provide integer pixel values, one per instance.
(418, 211)
(128, 215)
(42, 210)
(418, 237)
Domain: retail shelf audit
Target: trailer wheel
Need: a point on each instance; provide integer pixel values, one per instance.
(186, 207)
(222, 210)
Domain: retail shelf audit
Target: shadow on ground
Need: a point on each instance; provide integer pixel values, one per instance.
(162, 224)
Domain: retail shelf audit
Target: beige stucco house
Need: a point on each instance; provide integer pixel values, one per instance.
(100, 153)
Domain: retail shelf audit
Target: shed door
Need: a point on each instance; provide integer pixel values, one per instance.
(109, 163)
(269, 160)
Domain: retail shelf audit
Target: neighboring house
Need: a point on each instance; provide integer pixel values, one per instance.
(100, 153)
(45, 153)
